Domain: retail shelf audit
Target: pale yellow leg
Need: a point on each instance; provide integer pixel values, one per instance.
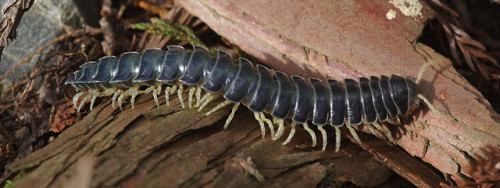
(394, 121)
(190, 96)
(370, 128)
(261, 123)
(324, 136)
(353, 133)
(120, 100)
(429, 105)
(268, 122)
(231, 115)
(174, 89)
(205, 100)
(135, 92)
(115, 95)
(107, 92)
(311, 132)
(155, 97)
(281, 128)
(385, 130)
(82, 103)
(94, 96)
(198, 96)
(205, 97)
(218, 107)
(421, 73)
(96, 93)
(337, 139)
(290, 136)
(179, 94)
(156, 92)
(75, 99)
(148, 90)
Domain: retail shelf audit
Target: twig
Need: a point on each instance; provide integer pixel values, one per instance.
(12, 16)
(108, 44)
(461, 45)
(155, 9)
(25, 60)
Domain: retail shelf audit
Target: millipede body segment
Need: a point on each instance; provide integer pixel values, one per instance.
(262, 90)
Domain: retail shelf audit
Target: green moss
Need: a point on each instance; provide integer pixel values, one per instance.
(158, 26)
(10, 183)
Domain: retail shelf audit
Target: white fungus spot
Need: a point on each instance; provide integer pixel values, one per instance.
(410, 8)
(391, 14)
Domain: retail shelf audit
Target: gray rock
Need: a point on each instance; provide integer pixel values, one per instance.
(40, 25)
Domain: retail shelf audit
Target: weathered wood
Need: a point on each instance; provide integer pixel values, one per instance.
(339, 39)
(169, 147)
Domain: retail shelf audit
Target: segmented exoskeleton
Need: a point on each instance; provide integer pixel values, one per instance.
(368, 101)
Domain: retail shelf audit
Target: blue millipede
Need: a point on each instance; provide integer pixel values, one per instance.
(262, 90)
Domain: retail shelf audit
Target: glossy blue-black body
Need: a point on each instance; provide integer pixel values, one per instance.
(259, 88)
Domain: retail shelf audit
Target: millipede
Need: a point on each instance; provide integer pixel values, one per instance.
(260, 89)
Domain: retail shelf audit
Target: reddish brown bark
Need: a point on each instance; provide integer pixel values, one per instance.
(171, 147)
(354, 38)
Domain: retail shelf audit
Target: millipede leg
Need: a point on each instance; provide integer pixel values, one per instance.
(156, 92)
(311, 132)
(173, 89)
(203, 100)
(96, 93)
(421, 73)
(190, 96)
(198, 96)
(132, 100)
(231, 115)
(261, 123)
(107, 92)
(290, 136)
(429, 105)
(75, 99)
(353, 133)
(385, 130)
(94, 96)
(120, 100)
(206, 101)
(281, 128)
(337, 139)
(370, 128)
(134, 93)
(218, 107)
(324, 136)
(179, 94)
(205, 97)
(268, 122)
(82, 103)
(155, 97)
(394, 121)
(115, 95)
(148, 90)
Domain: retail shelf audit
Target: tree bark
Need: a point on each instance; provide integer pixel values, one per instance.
(348, 39)
(166, 146)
